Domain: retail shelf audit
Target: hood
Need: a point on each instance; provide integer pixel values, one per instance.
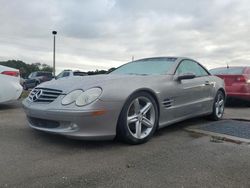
(69, 84)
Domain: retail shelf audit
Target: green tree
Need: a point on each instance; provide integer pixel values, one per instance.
(24, 68)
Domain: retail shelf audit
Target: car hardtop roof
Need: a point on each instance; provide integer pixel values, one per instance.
(68, 70)
(175, 58)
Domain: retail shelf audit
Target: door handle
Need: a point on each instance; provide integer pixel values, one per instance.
(207, 83)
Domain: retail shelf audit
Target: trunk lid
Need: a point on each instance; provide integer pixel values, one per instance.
(231, 79)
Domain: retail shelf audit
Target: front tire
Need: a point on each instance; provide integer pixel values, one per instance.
(138, 119)
(218, 106)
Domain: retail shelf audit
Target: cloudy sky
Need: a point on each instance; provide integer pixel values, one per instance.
(99, 34)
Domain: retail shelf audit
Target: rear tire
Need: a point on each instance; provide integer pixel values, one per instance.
(218, 106)
(138, 119)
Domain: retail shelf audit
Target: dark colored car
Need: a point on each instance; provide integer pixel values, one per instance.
(35, 78)
(237, 81)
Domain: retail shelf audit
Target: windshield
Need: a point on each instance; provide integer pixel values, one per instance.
(151, 66)
(33, 74)
(227, 71)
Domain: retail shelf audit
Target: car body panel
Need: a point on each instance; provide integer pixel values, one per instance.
(88, 126)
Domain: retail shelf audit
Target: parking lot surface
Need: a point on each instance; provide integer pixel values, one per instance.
(172, 158)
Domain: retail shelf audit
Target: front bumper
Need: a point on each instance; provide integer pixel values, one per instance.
(96, 121)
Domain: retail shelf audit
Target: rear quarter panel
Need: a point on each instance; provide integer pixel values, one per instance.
(218, 84)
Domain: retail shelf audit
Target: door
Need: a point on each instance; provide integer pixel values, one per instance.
(192, 96)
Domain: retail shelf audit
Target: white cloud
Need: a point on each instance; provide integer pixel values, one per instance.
(105, 33)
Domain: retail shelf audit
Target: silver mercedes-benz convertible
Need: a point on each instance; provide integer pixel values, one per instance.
(129, 103)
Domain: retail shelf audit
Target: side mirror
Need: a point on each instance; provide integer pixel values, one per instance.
(185, 76)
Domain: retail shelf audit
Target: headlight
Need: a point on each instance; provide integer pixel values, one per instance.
(71, 97)
(82, 98)
(88, 96)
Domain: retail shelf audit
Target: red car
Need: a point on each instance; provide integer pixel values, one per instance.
(237, 81)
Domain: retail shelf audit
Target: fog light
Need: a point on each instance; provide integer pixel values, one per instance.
(73, 126)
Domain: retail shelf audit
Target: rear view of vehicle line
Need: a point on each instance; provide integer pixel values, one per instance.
(237, 81)
(10, 88)
(130, 103)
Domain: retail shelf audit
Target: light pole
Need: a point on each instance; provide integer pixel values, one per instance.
(54, 53)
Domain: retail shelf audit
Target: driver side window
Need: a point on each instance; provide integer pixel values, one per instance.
(188, 66)
(65, 74)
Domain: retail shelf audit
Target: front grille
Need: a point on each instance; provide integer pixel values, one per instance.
(167, 103)
(45, 95)
(43, 123)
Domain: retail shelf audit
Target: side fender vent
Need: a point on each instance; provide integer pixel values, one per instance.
(167, 103)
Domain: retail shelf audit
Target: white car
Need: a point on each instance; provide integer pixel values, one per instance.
(70, 73)
(10, 88)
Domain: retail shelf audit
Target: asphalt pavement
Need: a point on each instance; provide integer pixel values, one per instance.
(172, 158)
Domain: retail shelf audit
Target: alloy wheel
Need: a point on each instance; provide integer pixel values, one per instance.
(141, 117)
(219, 105)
